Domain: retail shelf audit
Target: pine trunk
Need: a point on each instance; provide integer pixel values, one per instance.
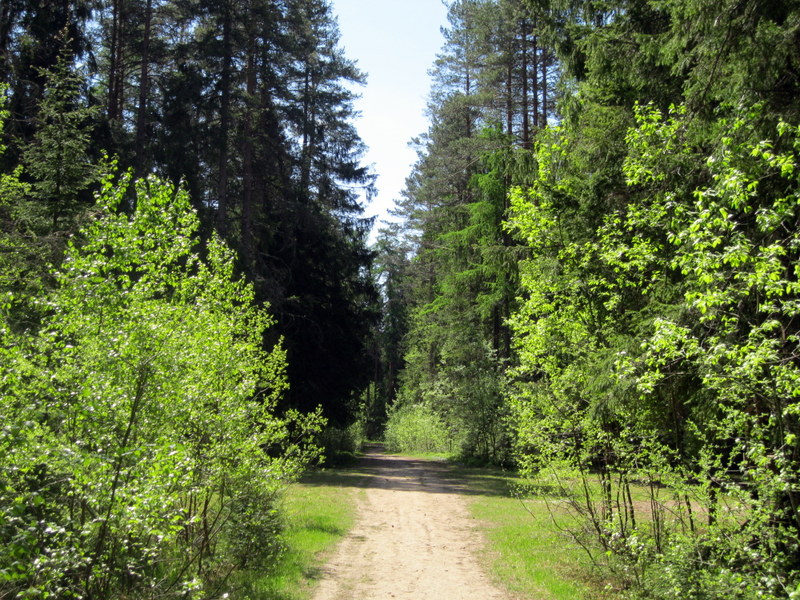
(115, 71)
(526, 124)
(247, 158)
(225, 110)
(535, 79)
(144, 85)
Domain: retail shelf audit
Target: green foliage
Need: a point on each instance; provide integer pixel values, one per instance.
(15, 259)
(660, 348)
(392, 266)
(341, 444)
(417, 428)
(458, 344)
(655, 338)
(251, 107)
(493, 91)
(737, 248)
(136, 423)
(654, 309)
(42, 199)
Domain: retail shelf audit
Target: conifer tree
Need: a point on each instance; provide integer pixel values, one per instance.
(488, 97)
(58, 159)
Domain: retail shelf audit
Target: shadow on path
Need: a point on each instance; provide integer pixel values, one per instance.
(375, 469)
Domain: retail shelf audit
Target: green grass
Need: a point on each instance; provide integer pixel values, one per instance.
(319, 511)
(528, 550)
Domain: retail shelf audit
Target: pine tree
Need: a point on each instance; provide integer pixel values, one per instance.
(33, 34)
(489, 96)
(58, 159)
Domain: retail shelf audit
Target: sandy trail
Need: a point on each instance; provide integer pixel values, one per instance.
(413, 538)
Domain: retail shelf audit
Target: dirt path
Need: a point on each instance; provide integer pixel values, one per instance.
(413, 538)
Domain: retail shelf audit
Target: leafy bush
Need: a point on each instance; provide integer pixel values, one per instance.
(661, 349)
(134, 424)
(341, 444)
(417, 428)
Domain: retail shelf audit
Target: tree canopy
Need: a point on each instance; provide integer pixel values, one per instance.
(249, 108)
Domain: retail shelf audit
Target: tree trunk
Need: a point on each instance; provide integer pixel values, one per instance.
(115, 68)
(144, 75)
(225, 110)
(247, 158)
(308, 137)
(535, 78)
(7, 18)
(510, 98)
(526, 124)
(468, 116)
(545, 58)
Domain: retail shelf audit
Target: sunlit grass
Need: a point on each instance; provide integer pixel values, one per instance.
(529, 550)
(531, 528)
(319, 511)
(438, 456)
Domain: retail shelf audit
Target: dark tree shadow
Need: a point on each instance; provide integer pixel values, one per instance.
(376, 469)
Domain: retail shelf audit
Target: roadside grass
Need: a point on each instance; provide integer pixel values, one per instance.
(450, 455)
(529, 551)
(319, 510)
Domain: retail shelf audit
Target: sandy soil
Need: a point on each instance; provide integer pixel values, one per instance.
(413, 538)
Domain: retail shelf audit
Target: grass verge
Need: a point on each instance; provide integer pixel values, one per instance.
(528, 551)
(319, 511)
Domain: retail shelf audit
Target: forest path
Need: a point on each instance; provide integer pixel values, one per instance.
(413, 538)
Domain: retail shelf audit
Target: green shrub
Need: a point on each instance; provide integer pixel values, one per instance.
(417, 428)
(341, 444)
(134, 422)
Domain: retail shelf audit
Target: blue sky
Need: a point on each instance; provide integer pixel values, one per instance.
(395, 42)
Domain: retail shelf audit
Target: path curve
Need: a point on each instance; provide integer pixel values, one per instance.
(413, 538)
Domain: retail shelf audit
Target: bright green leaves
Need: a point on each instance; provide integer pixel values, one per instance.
(661, 344)
(719, 250)
(124, 254)
(147, 403)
